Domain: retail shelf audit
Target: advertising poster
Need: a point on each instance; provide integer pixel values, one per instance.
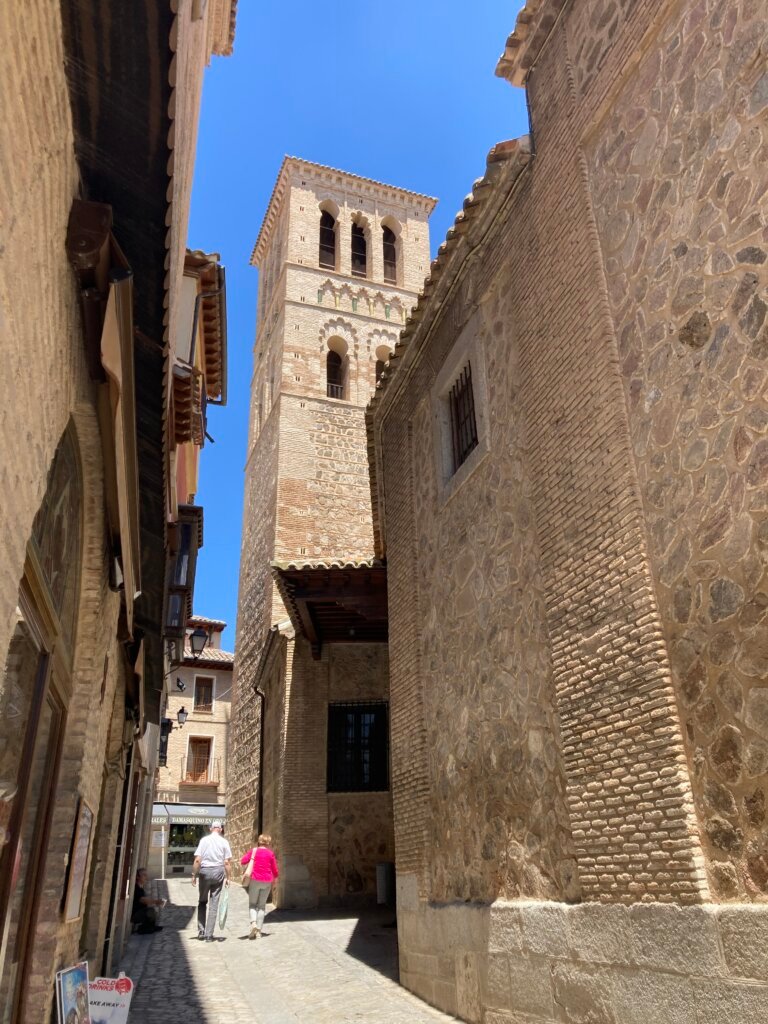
(72, 995)
(110, 1000)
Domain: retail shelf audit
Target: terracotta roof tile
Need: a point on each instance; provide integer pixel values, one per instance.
(534, 24)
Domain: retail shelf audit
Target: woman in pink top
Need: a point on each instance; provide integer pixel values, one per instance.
(262, 870)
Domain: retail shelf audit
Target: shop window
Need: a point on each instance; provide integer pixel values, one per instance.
(358, 747)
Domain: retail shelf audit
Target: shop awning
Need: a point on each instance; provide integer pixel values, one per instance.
(187, 814)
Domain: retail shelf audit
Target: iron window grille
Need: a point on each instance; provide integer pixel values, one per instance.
(327, 241)
(461, 401)
(358, 747)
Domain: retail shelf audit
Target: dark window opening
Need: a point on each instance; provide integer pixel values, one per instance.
(358, 747)
(334, 374)
(327, 241)
(359, 252)
(463, 424)
(390, 257)
(380, 364)
(204, 695)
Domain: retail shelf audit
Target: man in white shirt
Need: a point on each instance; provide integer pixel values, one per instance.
(213, 864)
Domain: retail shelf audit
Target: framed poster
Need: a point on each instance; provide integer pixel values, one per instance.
(81, 844)
(72, 995)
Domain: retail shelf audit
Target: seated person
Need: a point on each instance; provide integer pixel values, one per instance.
(143, 913)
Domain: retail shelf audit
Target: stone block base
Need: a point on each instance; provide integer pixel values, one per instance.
(295, 889)
(534, 962)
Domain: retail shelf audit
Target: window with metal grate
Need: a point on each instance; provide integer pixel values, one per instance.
(461, 400)
(358, 747)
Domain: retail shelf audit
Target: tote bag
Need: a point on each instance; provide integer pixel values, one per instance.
(223, 906)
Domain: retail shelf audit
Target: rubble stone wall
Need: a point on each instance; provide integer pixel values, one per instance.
(679, 177)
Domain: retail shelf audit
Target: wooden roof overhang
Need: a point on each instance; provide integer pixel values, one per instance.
(118, 72)
(335, 603)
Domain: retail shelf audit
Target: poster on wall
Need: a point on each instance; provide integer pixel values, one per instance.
(72, 995)
(110, 1000)
(81, 843)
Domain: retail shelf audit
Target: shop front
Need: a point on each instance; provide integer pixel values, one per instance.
(176, 831)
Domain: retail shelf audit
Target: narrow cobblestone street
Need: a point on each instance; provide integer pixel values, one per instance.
(315, 968)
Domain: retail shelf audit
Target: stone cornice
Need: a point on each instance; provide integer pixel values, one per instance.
(335, 177)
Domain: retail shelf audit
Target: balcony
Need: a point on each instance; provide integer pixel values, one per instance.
(335, 390)
(199, 771)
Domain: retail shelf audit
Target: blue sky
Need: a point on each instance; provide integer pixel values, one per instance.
(403, 92)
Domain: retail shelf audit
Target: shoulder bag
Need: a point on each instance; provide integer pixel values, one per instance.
(245, 881)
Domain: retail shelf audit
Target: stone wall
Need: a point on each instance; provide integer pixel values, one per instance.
(576, 613)
(529, 962)
(679, 176)
(324, 495)
(330, 842)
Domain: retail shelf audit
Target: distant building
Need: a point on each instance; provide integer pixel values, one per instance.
(341, 259)
(192, 774)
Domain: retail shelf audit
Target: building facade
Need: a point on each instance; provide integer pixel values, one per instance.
(97, 149)
(194, 748)
(569, 473)
(340, 260)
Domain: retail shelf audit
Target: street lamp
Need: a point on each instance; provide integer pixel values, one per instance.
(198, 638)
(181, 716)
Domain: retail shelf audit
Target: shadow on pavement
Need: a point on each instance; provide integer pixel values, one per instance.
(374, 935)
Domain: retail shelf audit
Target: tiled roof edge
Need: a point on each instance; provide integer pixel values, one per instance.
(505, 162)
(534, 23)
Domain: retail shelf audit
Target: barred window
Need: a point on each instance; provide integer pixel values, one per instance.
(358, 747)
(461, 401)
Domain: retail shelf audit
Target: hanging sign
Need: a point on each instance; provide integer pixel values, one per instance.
(110, 1000)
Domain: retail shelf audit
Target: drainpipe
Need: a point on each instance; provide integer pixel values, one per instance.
(117, 861)
(260, 814)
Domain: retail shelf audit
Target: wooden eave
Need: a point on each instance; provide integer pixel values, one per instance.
(331, 604)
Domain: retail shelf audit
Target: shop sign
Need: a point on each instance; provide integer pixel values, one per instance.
(72, 994)
(110, 1000)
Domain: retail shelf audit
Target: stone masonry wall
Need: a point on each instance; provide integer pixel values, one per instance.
(254, 617)
(42, 340)
(679, 177)
(617, 303)
(324, 496)
(308, 497)
(331, 842)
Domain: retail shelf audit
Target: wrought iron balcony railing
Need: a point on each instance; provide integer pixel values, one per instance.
(199, 771)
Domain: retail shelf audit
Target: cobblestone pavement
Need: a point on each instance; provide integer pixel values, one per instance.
(312, 968)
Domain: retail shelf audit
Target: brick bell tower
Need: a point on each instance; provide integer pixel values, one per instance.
(341, 261)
